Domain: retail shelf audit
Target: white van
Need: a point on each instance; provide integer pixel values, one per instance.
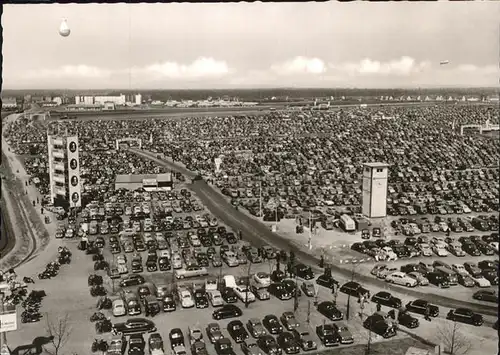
(230, 281)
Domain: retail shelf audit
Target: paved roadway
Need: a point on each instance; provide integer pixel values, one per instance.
(259, 234)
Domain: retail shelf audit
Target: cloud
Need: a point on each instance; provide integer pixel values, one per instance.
(68, 71)
(300, 65)
(471, 68)
(402, 66)
(203, 67)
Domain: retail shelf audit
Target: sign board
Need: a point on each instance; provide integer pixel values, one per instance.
(8, 322)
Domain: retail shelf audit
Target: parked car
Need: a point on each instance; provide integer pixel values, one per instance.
(289, 321)
(134, 326)
(465, 315)
(380, 325)
(237, 331)
(386, 299)
(214, 332)
(272, 324)
(400, 278)
(227, 311)
(327, 335)
(288, 343)
(420, 306)
(486, 295)
(268, 345)
(256, 328)
(330, 311)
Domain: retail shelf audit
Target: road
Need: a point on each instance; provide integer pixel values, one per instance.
(259, 234)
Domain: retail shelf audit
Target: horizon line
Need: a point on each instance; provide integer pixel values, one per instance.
(261, 88)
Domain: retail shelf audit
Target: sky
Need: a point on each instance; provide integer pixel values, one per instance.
(252, 45)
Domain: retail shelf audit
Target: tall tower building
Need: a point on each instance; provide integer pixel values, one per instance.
(375, 190)
(64, 170)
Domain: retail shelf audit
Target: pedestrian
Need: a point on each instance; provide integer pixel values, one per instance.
(392, 314)
(240, 235)
(37, 201)
(34, 203)
(427, 314)
(322, 262)
(379, 307)
(448, 232)
(25, 183)
(259, 252)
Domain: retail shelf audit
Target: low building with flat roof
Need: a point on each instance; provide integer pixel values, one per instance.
(149, 182)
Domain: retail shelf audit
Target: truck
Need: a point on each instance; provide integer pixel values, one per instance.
(191, 271)
(347, 223)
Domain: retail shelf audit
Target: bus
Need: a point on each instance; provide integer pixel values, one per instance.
(347, 223)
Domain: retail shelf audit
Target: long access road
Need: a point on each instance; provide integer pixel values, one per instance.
(258, 234)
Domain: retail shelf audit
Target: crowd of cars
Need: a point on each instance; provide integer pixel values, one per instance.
(311, 159)
(419, 243)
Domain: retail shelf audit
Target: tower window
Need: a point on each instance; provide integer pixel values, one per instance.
(379, 170)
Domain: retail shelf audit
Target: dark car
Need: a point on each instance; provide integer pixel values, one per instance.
(288, 343)
(407, 320)
(164, 263)
(250, 348)
(176, 337)
(279, 290)
(437, 279)
(201, 299)
(268, 345)
(272, 324)
(359, 247)
(134, 326)
(237, 331)
(136, 344)
(484, 248)
(471, 249)
(330, 311)
(409, 268)
(465, 315)
(214, 332)
(380, 325)
(491, 275)
(291, 287)
(486, 295)
(327, 281)
(224, 347)
(386, 299)
(199, 348)
(151, 264)
(354, 289)
(277, 276)
(410, 241)
(304, 272)
(227, 311)
(327, 335)
(420, 306)
(228, 295)
(132, 280)
(155, 342)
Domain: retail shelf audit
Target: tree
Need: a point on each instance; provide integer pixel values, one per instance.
(60, 332)
(453, 340)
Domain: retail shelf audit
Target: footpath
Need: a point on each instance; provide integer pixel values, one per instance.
(21, 199)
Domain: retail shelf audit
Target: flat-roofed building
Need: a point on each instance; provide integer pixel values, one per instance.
(149, 182)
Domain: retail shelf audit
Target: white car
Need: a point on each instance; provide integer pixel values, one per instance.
(262, 278)
(440, 250)
(455, 249)
(195, 241)
(421, 279)
(494, 245)
(481, 281)
(118, 308)
(243, 293)
(191, 271)
(179, 350)
(211, 285)
(443, 227)
(388, 254)
(176, 261)
(438, 240)
(231, 259)
(466, 209)
(215, 298)
(400, 278)
(425, 249)
(186, 299)
(459, 269)
(382, 274)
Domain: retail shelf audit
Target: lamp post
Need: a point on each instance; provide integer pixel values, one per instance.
(247, 284)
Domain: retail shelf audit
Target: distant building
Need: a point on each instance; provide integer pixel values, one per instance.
(49, 104)
(9, 102)
(108, 106)
(138, 99)
(117, 100)
(57, 100)
(84, 107)
(375, 177)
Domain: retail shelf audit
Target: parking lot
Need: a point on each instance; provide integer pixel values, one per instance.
(309, 169)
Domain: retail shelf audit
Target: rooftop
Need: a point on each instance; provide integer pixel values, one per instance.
(138, 178)
(376, 165)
